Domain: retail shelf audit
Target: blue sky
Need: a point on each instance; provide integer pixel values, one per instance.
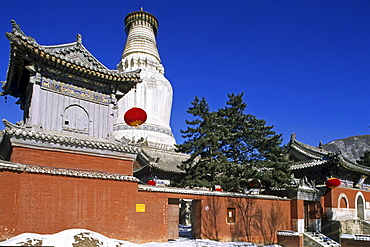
(304, 66)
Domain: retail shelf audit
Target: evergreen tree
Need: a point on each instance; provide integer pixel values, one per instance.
(365, 159)
(231, 149)
(206, 160)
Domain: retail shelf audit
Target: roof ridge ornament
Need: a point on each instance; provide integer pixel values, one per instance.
(293, 136)
(17, 28)
(79, 39)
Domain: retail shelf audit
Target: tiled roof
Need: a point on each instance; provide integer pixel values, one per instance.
(316, 156)
(308, 151)
(308, 164)
(75, 140)
(72, 57)
(161, 160)
(74, 52)
(10, 166)
(188, 191)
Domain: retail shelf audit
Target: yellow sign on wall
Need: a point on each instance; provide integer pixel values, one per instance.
(140, 207)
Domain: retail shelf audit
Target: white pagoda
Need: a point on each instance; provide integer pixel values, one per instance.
(153, 94)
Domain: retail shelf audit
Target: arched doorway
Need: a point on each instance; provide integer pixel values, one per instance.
(360, 207)
(76, 119)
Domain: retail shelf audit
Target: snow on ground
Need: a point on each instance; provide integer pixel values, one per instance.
(86, 238)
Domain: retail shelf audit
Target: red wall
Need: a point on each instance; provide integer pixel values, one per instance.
(353, 243)
(70, 160)
(350, 193)
(47, 204)
(257, 220)
(291, 241)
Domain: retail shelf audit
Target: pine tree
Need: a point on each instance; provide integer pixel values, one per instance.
(204, 166)
(365, 159)
(231, 148)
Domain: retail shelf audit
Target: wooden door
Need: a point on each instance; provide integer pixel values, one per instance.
(173, 212)
(196, 219)
(306, 217)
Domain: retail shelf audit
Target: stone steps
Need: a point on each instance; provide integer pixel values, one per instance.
(318, 239)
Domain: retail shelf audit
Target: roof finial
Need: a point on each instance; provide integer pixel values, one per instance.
(141, 9)
(292, 136)
(79, 39)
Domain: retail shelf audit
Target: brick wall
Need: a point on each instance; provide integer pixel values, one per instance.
(47, 204)
(351, 195)
(70, 160)
(354, 243)
(294, 240)
(297, 215)
(257, 220)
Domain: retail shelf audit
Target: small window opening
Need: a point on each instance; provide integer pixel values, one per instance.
(231, 215)
(66, 122)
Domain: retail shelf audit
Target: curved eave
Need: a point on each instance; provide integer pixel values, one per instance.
(309, 164)
(162, 164)
(154, 167)
(307, 150)
(19, 40)
(14, 73)
(338, 160)
(353, 166)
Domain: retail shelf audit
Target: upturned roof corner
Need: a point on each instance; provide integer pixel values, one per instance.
(307, 156)
(71, 59)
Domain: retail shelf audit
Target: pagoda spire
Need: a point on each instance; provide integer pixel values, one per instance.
(141, 28)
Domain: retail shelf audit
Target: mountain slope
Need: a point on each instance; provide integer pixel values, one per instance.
(351, 147)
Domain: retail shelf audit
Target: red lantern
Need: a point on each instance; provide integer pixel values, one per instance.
(151, 182)
(332, 182)
(135, 117)
(253, 183)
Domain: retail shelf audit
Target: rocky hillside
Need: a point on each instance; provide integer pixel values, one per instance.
(352, 147)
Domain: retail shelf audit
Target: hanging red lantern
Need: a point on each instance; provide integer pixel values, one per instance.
(253, 183)
(218, 188)
(151, 182)
(332, 182)
(135, 117)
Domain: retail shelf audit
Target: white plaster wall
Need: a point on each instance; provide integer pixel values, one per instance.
(298, 225)
(47, 109)
(348, 214)
(154, 94)
(344, 214)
